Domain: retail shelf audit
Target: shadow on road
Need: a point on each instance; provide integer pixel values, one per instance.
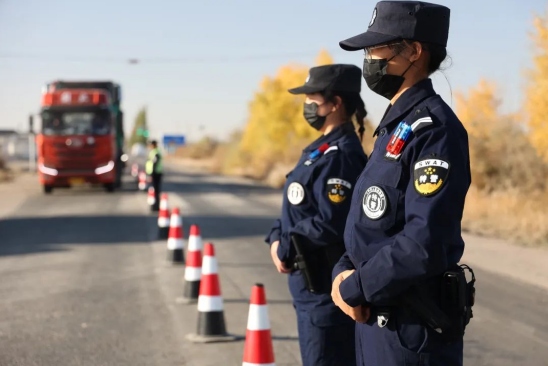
(212, 187)
(47, 234)
(227, 227)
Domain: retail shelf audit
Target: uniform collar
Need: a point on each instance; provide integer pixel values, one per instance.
(409, 99)
(335, 134)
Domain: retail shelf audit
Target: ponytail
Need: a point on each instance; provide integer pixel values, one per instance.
(360, 113)
(353, 105)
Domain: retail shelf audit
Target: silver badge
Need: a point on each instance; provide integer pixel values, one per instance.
(295, 193)
(373, 18)
(374, 202)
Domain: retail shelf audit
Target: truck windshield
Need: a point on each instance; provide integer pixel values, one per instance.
(76, 123)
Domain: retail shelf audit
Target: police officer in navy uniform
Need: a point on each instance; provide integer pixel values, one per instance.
(317, 198)
(404, 226)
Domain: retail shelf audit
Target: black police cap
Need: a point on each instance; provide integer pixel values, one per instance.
(338, 77)
(394, 20)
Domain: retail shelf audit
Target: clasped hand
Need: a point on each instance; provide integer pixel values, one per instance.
(359, 313)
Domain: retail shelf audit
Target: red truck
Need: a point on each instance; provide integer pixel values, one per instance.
(81, 140)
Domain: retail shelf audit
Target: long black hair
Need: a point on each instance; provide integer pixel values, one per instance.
(353, 105)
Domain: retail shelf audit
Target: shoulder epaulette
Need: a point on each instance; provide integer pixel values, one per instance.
(421, 120)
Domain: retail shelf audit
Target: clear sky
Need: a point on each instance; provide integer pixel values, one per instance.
(203, 59)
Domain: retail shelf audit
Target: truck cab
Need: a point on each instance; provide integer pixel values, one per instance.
(78, 140)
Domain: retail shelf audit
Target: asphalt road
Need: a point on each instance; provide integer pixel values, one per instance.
(83, 281)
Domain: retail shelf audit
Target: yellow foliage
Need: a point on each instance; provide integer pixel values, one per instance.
(478, 110)
(275, 126)
(537, 90)
(501, 155)
(324, 58)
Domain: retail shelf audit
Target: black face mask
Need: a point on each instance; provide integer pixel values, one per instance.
(374, 73)
(311, 116)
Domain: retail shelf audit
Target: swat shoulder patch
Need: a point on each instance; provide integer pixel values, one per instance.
(338, 189)
(429, 175)
(421, 119)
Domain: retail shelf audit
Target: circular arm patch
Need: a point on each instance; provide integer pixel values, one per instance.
(295, 193)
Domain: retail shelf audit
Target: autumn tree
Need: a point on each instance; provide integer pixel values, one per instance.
(501, 155)
(140, 133)
(537, 89)
(275, 130)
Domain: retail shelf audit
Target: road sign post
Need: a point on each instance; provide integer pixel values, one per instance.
(171, 142)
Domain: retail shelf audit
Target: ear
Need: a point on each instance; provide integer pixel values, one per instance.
(417, 51)
(337, 103)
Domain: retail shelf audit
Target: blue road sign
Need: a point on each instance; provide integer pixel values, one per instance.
(174, 140)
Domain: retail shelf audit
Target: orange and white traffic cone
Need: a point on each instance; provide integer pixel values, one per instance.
(175, 252)
(193, 268)
(151, 198)
(258, 340)
(142, 181)
(211, 320)
(163, 218)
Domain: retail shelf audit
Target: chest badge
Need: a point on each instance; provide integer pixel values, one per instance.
(295, 193)
(397, 141)
(429, 175)
(316, 154)
(338, 190)
(374, 202)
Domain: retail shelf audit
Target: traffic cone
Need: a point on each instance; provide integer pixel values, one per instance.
(151, 198)
(142, 181)
(258, 340)
(135, 170)
(211, 320)
(163, 218)
(175, 245)
(193, 268)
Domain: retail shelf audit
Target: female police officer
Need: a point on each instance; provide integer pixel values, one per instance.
(315, 207)
(404, 225)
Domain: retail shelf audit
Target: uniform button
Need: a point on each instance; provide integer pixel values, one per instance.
(383, 132)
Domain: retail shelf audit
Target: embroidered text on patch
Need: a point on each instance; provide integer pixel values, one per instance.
(338, 190)
(429, 175)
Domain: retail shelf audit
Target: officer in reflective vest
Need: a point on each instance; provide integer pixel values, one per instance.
(154, 170)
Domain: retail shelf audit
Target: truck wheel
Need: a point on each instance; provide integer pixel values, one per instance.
(109, 187)
(48, 189)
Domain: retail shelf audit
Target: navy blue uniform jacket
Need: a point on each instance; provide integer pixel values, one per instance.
(318, 192)
(404, 225)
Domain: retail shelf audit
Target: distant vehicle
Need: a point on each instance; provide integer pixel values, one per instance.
(82, 136)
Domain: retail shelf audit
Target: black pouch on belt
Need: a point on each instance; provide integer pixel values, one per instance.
(457, 299)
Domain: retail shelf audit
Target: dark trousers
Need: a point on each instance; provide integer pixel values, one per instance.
(404, 341)
(157, 184)
(326, 334)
